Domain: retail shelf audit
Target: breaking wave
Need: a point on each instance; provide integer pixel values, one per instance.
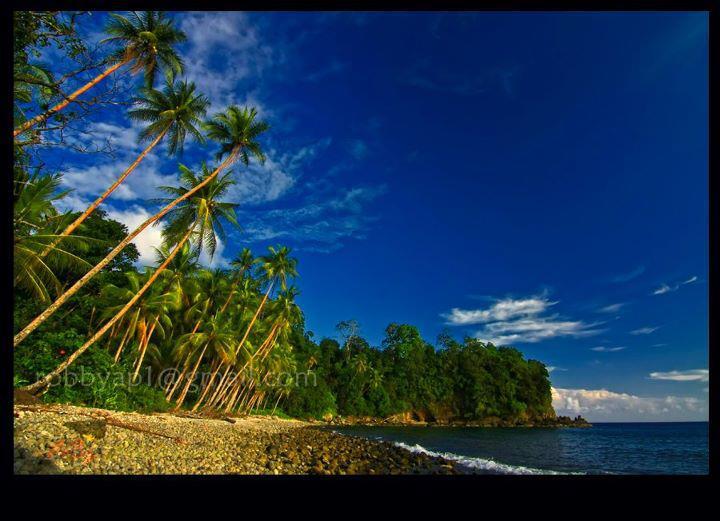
(480, 463)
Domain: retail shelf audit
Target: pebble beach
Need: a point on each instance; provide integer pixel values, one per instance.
(63, 439)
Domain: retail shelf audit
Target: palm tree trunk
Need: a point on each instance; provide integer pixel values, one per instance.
(122, 344)
(207, 388)
(57, 108)
(43, 382)
(90, 209)
(276, 404)
(144, 349)
(219, 386)
(174, 386)
(110, 256)
(92, 315)
(232, 292)
(254, 318)
(223, 394)
(234, 397)
(181, 398)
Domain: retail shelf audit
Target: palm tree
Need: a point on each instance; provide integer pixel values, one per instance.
(214, 336)
(178, 272)
(241, 264)
(200, 214)
(283, 315)
(146, 41)
(175, 111)
(237, 132)
(35, 229)
(151, 313)
(277, 266)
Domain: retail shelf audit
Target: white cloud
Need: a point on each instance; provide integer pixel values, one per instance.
(216, 39)
(604, 405)
(612, 308)
(217, 260)
(150, 237)
(502, 310)
(552, 368)
(690, 375)
(603, 349)
(262, 183)
(665, 288)
(89, 181)
(644, 330)
(533, 330)
(107, 136)
(510, 321)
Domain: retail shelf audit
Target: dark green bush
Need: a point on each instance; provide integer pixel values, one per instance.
(93, 380)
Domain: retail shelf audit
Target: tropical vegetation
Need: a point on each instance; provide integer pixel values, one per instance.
(91, 326)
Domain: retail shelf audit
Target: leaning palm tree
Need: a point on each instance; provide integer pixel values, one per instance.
(175, 111)
(146, 41)
(36, 223)
(197, 218)
(215, 337)
(236, 131)
(150, 314)
(241, 264)
(277, 266)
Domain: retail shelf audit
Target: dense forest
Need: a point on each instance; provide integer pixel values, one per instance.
(93, 327)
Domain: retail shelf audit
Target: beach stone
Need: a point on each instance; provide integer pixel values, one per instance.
(171, 444)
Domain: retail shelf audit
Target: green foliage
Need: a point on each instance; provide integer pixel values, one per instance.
(33, 31)
(94, 380)
(459, 381)
(311, 401)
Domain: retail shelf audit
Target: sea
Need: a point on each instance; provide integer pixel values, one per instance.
(604, 448)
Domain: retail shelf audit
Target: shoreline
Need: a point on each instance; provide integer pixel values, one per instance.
(66, 439)
(557, 423)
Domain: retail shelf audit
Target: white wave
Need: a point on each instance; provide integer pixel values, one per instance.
(480, 463)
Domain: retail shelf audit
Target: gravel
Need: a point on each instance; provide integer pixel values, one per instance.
(61, 439)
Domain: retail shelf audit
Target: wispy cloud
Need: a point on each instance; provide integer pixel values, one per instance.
(502, 310)
(510, 321)
(552, 368)
(601, 404)
(89, 180)
(630, 275)
(318, 226)
(612, 308)
(690, 375)
(217, 38)
(644, 330)
(603, 349)
(668, 288)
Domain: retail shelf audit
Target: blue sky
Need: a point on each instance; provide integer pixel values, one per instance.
(535, 179)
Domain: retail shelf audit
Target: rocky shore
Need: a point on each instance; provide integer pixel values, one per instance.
(62, 439)
(408, 420)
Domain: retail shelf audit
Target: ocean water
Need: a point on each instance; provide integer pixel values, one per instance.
(605, 448)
